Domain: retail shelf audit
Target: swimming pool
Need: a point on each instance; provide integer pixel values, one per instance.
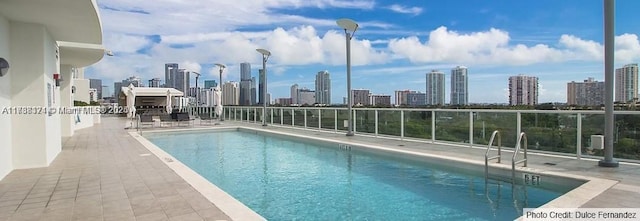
(287, 179)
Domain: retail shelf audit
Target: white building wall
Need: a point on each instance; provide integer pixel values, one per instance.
(82, 86)
(31, 71)
(66, 100)
(5, 102)
(53, 144)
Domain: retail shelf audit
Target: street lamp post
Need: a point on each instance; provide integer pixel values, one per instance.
(609, 50)
(265, 56)
(221, 67)
(350, 28)
(197, 92)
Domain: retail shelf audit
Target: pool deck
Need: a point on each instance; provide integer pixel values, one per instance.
(105, 173)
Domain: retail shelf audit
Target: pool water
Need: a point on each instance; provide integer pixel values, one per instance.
(286, 179)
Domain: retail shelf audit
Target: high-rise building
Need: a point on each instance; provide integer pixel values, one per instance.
(523, 90)
(360, 97)
(459, 86)
(254, 91)
(96, 84)
(117, 88)
(435, 88)
(170, 71)
(181, 81)
(401, 97)
(260, 85)
(294, 94)
(231, 93)
(323, 88)
(627, 83)
(306, 96)
(587, 93)
(246, 85)
(132, 80)
(155, 82)
(208, 84)
(284, 101)
(380, 100)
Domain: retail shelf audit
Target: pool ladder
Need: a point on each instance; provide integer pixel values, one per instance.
(514, 159)
(486, 154)
(522, 144)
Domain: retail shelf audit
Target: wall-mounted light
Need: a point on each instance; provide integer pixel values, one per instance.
(58, 79)
(4, 67)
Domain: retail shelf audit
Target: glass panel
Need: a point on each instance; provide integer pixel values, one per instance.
(259, 116)
(592, 124)
(286, 116)
(312, 118)
(484, 123)
(299, 117)
(365, 121)
(276, 116)
(328, 119)
(342, 117)
(417, 124)
(389, 122)
(627, 138)
(550, 131)
(452, 126)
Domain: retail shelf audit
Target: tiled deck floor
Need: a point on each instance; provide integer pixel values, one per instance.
(101, 175)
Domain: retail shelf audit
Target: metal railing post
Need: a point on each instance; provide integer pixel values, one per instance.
(376, 118)
(433, 126)
(335, 120)
(579, 136)
(305, 118)
(281, 116)
(319, 119)
(293, 117)
(470, 128)
(402, 125)
(354, 121)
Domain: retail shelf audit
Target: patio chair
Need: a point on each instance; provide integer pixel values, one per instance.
(145, 120)
(183, 117)
(166, 118)
(205, 117)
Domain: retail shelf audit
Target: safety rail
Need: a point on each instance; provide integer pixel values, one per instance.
(514, 161)
(486, 154)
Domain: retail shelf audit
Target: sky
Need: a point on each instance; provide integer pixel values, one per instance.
(396, 44)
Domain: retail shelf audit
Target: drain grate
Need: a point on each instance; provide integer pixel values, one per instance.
(550, 164)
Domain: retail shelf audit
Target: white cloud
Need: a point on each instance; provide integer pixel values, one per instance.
(405, 10)
(492, 47)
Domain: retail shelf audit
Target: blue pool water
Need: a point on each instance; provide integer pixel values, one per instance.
(283, 179)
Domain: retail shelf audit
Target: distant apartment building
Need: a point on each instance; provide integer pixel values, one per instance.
(246, 85)
(294, 94)
(170, 72)
(96, 84)
(435, 88)
(380, 100)
(416, 99)
(231, 93)
(323, 88)
(284, 101)
(306, 96)
(132, 80)
(210, 84)
(523, 90)
(587, 93)
(155, 82)
(459, 86)
(360, 97)
(627, 83)
(401, 97)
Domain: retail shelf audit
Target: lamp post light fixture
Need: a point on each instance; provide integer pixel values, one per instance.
(265, 56)
(350, 28)
(197, 91)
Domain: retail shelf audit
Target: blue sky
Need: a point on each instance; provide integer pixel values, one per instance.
(397, 44)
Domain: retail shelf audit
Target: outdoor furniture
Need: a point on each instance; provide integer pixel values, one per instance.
(183, 117)
(166, 118)
(205, 117)
(145, 119)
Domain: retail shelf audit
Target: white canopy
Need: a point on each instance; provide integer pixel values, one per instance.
(132, 92)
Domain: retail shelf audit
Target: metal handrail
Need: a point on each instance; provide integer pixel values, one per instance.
(522, 137)
(486, 154)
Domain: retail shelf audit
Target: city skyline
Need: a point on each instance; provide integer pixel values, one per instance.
(397, 42)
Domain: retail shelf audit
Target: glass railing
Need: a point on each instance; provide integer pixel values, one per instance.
(552, 131)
